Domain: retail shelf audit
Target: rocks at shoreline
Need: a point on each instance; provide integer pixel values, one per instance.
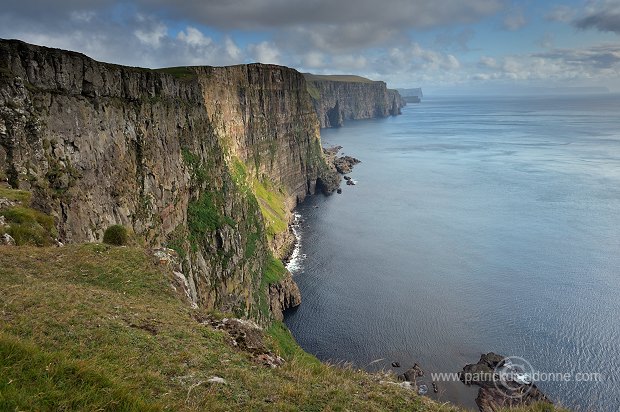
(498, 392)
(339, 165)
(345, 164)
(412, 374)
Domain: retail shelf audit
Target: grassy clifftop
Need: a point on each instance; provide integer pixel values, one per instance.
(95, 327)
(337, 78)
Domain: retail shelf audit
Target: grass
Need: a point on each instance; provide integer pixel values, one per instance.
(313, 91)
(274, 270)
(87, 325)
(15, 195)
(28, 226)
(182, 72)
(336, 78)
(33, 379)
(271, 202)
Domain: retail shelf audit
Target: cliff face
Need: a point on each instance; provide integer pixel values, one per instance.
(340, 98)
(175, 156)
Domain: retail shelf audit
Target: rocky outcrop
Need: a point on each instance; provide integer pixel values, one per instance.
(340, 98)
(283, 295)
(503, 385)
(170, 154)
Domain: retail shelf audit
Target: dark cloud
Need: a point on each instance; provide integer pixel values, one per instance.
(324, 24)
(601, 21)
(251, 14)
(603, 16)
(606, 57)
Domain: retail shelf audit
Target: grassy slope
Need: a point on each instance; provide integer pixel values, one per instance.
(96, 327)
(99, 327)
(337, 78)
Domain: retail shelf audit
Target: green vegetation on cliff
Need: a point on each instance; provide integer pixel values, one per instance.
(349, 78)
(66, 313)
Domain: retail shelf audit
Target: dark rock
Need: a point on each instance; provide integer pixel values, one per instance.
(339, 190)
(283, 295)
(350, 183)
(435, 389)
(412, 374)
(495, 394)
(345, 164)
(395, 365)
(347, 177)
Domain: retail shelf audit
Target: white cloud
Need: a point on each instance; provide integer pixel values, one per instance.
(194, 37)
(152, 31)
(264, 52)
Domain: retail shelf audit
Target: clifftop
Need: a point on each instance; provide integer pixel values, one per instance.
(338, 98)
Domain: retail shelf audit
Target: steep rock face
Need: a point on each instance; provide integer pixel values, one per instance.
(265, 114)
(283, 295)
(337, 100)
(100, 144)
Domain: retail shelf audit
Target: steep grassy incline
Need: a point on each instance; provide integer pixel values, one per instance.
(95, 327)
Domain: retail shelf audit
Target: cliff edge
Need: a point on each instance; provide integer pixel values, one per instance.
(338, 98)
(208, 161)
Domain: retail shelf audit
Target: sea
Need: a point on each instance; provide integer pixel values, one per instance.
(475, 225)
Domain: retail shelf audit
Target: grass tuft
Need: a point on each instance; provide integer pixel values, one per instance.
(116, 235)
(29, 227)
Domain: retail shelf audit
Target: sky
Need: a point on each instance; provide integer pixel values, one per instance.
(442, 46)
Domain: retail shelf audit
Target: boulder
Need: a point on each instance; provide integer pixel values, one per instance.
(495, 394)
(7, 240)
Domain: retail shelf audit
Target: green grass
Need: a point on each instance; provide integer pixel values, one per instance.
(116, 235)
(274, 270)
(348, 78)
(271, 202)
(313, 91)
(107, 322)
(95, 327)
(182, 72)
(203, 218)
(32, 379)
(28, 226)
(15, 195)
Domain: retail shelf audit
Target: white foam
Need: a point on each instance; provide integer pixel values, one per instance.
(295, 262)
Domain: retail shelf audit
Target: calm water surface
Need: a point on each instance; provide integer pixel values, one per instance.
(476, 225)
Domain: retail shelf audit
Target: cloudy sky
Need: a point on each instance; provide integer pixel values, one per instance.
(441, 45)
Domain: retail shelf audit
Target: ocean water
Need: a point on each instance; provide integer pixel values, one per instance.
(476, 225)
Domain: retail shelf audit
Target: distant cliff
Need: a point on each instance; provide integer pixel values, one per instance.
(412, 95)
(340, 98)
(207, 161)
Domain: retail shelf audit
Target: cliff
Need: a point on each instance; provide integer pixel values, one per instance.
(340, 98)
(206, 161)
